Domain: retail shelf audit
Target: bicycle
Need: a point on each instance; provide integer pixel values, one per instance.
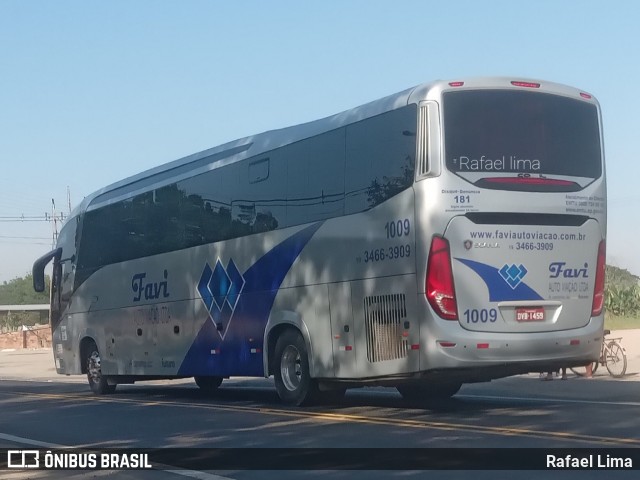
(612, 356)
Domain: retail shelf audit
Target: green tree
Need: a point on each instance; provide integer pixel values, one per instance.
(621, 277)
(622, 292)
(19, 291)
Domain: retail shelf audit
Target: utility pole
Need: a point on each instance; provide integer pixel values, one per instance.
(54, 224)
(55, 218)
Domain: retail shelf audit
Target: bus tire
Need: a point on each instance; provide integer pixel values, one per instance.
(291, 370)
(98, 383)
(208, 384)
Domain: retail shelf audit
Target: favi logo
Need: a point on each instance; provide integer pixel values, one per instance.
(513, 274)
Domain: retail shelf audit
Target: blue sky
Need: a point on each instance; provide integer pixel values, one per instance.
(92, 92)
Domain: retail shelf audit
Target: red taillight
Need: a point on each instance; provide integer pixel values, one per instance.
(456, 84)
(525, 84)
(585, 95)
(598, 290)
(439, 282)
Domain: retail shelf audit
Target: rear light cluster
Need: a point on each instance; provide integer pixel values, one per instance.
(439, 287)
(598, 291)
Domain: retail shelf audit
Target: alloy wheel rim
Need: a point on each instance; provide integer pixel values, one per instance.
(291, 368)
(94, 370)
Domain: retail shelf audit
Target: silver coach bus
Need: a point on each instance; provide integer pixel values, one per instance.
(451, 233)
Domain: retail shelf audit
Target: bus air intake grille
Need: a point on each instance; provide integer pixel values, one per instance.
(384, 317)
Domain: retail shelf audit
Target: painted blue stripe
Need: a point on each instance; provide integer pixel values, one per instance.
(499, 289)
(263, 279)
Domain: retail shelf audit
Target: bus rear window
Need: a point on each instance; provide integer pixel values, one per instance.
(513, 140)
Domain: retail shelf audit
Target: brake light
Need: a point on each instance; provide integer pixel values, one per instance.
(598, 290)
(585, 95)
(525, 84)
(456, 84)
(439, 280)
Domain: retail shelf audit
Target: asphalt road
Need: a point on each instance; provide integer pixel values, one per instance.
(51, 412)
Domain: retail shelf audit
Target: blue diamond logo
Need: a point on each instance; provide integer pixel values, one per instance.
(221, 288)
(513, 274)
(203, 287)
(237, 284)
(219, 284)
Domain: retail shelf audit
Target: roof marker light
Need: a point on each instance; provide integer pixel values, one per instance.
(585, 95)
(456, 84)
(525, 84)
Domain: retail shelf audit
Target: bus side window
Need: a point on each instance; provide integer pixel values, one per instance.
(315, 178)
(56, 284)
(380, 158)
(258, 170)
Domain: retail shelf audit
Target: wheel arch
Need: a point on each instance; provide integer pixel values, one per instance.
(84, 345)
(277, 324)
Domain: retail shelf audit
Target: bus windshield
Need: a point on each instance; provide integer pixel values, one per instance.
(515, 140)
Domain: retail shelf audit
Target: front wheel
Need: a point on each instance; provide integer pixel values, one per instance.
(291, 370)
(616, 360)
(98, 383)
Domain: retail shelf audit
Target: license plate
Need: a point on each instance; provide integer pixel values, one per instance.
(530, 314)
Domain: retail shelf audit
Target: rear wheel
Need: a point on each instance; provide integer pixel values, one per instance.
(616, 360)
(291, 370)
(98, 382)
(208, 384)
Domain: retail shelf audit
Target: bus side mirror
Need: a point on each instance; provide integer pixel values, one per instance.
(38, 268)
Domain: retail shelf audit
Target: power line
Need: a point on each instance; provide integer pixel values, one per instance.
(24, 238)
(23, 219)
(24, 242)
(55, 219)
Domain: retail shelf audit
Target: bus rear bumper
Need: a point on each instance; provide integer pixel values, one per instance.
(512, 353)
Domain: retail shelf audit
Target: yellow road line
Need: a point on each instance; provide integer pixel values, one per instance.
(352, 418)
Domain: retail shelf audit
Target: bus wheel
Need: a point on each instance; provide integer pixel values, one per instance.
(97, 382)
(426, 393)
(208, 384)
(291, 370)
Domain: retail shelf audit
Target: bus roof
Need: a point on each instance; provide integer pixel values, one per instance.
(250, 146)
